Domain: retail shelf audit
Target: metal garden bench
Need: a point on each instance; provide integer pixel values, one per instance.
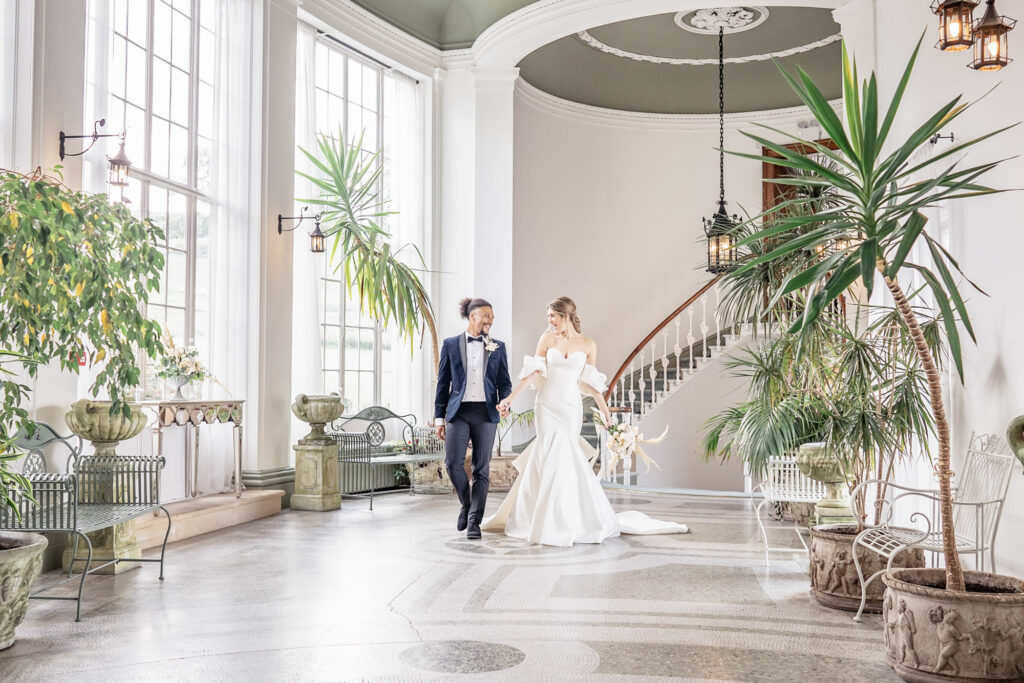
(97, 492)
(785, 483)
(368, 447)
(978, 498)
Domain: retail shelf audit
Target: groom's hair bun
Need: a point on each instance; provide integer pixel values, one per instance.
(467, 306)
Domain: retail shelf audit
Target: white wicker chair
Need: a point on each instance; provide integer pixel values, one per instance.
(978, 499)
(785, 483)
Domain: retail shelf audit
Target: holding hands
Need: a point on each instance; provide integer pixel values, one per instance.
(505, 408)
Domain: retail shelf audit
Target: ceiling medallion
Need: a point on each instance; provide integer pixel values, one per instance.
(730, 19)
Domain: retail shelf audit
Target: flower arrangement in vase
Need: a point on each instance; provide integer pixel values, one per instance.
(180, 365)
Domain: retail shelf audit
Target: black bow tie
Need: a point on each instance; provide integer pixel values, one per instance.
(475, 339)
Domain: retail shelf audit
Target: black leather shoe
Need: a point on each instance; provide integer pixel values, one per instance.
(463, 519)
(474, 531)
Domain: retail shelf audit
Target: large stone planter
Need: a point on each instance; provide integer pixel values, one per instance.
(936, 635)
(21, 559)
(92, 421)
(316, 455)
(834, 581)
(816, 462)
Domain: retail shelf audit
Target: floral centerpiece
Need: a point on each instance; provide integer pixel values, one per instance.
(180, 365)
(624, 441)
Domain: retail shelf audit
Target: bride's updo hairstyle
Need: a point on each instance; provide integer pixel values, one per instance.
(467, 306)
(563, 305)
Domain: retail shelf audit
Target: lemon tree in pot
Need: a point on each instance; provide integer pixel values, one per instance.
(882, 186)
(75, 275)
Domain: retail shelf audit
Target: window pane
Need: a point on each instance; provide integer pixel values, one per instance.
(332, 303)
(370, 77)
(176, 223)
(332, 347)
(355, 82)
(207, 56)
(177, 275)
(135, 85)
(352, 390)
(203, 152)
(135, 135)
(158, 147)
(158, 207)
(208, 14)
(117, 67)
(366, 338)
(180, 97)
(176, 326)
(137, 28)
(121, 16)
(336, 72)
(365, 389)
(204, 119)
(183, 6)
(351, 359)
(355, 122)
(161, 30)
(332, 382)
(161, 88)
(179, 154)
(182, 41)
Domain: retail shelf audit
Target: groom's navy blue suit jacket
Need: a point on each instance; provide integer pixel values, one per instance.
(451, 378)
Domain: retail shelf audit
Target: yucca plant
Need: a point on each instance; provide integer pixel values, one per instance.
(881, 188)
(389, 289)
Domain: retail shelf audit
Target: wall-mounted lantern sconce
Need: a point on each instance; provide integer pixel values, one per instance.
(119, 163)
(990, 44)
(316, 238)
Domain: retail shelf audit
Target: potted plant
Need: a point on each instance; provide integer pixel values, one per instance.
(384, 276)
(882, 185)
(75, 275)
(851, 404)
(180, 366)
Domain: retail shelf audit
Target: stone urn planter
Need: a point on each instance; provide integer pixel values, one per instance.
(936, 635)
(317, 411)
(316, 455)
(818, 463)
(21, 559)
(92, 421)
(834, 581)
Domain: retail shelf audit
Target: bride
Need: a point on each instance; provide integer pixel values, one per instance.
(557, 499)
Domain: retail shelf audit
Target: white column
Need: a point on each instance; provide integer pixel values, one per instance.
(857, 19)
(476, 194)
(267, 409)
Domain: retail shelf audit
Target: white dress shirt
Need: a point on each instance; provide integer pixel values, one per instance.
(475, 372)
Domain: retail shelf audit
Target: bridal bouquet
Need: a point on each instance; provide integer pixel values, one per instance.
(624, 441)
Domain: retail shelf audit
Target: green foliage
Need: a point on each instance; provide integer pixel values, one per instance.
(75, 275)
(506, 423)
(876, 205)
(389, 289)
(863, 393)
(13, 486)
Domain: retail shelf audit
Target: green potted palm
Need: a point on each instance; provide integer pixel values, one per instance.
(348, 179)
(881, 187)
(75, 274)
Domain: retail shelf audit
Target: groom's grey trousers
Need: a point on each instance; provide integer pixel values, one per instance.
(470, 424)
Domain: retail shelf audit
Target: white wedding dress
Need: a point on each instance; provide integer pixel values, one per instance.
(556, 498)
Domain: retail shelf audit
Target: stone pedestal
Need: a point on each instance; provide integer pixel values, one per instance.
(116, 541)
(316, 476)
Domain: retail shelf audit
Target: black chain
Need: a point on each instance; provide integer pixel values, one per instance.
(721, 111)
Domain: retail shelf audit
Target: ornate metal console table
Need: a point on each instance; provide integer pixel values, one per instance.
(171, 412)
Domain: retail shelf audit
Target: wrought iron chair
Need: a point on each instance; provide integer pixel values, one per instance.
(785, 483)
(978, 499)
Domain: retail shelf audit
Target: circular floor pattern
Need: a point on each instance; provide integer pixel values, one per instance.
(462, 656)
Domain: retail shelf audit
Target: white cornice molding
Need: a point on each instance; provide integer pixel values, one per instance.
(494, 79)
(509, 40)
(585, 113)
(844, 12)
(381, 38)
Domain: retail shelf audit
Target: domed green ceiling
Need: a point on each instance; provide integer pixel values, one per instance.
(632, 65)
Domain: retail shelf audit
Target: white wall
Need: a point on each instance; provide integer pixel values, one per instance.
(986, 234)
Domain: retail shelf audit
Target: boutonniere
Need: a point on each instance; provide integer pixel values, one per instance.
(490, 344)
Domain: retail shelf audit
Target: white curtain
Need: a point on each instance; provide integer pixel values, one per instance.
(307, 290)
(403, 384)
(235, 173)
(16, 33)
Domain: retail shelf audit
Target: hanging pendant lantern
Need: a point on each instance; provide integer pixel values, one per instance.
(956, 24)
(990, 43)
(718, 228)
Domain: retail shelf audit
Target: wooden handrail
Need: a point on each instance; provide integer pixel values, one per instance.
(664, 323)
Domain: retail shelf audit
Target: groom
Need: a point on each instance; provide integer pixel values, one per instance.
(472, 379)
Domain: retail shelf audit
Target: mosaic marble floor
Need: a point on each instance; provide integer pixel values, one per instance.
(398, 595)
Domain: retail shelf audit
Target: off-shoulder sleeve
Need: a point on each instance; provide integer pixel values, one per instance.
(532, 364)
(594, 378)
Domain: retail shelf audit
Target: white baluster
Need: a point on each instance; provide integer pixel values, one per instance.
(664, 365)
(677, 350)
(689, 340)
(632, 394)
(718, 316)
(653, 374)
(704, 326)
